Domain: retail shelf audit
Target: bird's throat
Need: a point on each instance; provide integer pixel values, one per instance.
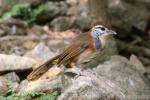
(97, 43)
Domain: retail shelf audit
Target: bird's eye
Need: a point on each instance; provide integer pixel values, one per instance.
(102, 28)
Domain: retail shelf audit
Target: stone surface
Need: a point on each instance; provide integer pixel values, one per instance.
(58, 45)
(6, 5)
(82, 22)
(126, 76)
(137, 63)
(39, 86)
(117, 78)
(13, 77)
(88, 85)
(142, 3)
(124, 11)
(3, 86)
(15, 63)
(40, 52)
(61, 24)
(79, 12)
(8, 82)
(53, 10)
(72, 2)
(85, 86)
(12, 27)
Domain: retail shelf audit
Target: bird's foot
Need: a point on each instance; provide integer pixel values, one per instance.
(74, 72)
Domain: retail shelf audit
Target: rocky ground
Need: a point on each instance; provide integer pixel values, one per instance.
(31, 32)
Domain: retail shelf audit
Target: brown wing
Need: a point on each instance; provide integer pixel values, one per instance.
(38, 72)
(77, 47)
(80, 44)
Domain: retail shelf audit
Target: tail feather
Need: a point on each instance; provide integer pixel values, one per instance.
(38, 72)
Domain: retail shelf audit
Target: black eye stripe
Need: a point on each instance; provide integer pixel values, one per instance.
(102, 28)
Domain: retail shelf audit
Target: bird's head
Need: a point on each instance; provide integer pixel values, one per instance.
(99, 30)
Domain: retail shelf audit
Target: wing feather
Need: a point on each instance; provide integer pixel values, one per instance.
(72, 54)
(75, 49)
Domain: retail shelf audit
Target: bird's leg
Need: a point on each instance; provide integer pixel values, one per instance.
(67, 66)
(73, 70)
(70, 65)
(73, 65)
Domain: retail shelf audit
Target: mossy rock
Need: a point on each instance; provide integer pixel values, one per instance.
(20, 10)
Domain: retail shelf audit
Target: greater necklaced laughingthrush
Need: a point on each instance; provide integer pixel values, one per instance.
(80, 48)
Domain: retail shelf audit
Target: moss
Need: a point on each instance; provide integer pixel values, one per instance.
(51, 96)
(36, 12)
(22, 10)
(26, 12)
(12, 95)
(35, 96)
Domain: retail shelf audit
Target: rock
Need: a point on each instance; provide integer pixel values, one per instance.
(5, 5)
(31, 2)
(29, 45)
(58, 45)
(13, 87)
(78, 16)
(72, 2)
(42, 11)
(117, 79)
(18, 45)
(61, 24)
(10, 63)
(2, 32)
(142, 3)
(16, 50)
(84, 8)
(13, 77)
(50, 10)
(144, 60)
(147, 75)
(124, 11)
(73, 9)
(41, 52)
(36, 30)
(137, 63)
(3, 86)
(82, 22)
(49, 81)
(86, 86)
(67, 35)
(12, 27)
(126, 76)
(90, 86)
(78, 8)
(27, 87)
(17, 10)
(8, 83)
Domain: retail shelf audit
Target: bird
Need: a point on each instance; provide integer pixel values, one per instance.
(81, 47)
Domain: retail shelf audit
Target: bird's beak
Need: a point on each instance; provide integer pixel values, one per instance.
(111, 32)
